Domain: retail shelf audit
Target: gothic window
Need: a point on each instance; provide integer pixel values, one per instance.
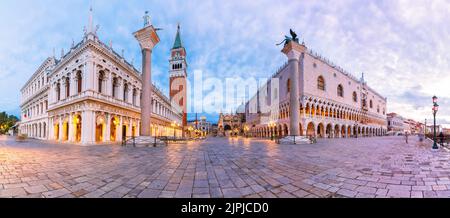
(101, 77)
(58, 91)
(378, 109)
(340, 90)
(370, 104)
(321, 83)
(355, 97)
(79, 82)
(67, 86)
(288, 85)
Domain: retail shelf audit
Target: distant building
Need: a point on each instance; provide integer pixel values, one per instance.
(430, 129)
(446, 131)
(412, 126)
(203, 126)
(232, 124)
(395, 123)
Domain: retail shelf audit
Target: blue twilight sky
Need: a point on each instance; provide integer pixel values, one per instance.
(401, 46)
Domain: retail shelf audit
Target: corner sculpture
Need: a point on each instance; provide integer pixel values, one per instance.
(288, 39)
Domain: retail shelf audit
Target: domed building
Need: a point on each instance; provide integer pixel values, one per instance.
(232, 124)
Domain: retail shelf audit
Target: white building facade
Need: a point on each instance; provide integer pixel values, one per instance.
(331, 102)
(90, 96)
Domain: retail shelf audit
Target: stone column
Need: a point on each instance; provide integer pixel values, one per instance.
(138, 97)
(71, 129)
(50, 133)
(147, 38)
(107, 133)
(120, 89)
(88, 127)
(120, 130)
(60, 129)
(294, 51)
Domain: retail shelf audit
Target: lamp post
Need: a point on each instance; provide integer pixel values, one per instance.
(435, 110)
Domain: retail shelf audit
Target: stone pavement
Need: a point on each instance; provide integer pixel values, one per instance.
(222, 167)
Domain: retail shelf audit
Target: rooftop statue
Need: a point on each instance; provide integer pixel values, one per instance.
(288, 39)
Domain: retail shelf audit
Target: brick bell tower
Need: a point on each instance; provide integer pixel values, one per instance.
(178, 76)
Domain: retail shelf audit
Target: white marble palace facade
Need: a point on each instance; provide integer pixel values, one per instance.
(331, 102)
(91, 95)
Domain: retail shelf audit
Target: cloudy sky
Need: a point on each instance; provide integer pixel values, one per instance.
(401, 46)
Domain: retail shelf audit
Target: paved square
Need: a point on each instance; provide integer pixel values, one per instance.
(222, 167)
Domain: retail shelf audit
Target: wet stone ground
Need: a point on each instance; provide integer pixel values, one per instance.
(222, 167)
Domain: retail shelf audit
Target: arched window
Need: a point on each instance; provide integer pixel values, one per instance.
(58, 91)
(101, 77)
(125, 92)
(114, 88)
(355, 97)
(67, 86)
(370, 104)
(79, 82)
(288, 85)
(340, 90)
(321, 83)
(134, 96)
(378, 109)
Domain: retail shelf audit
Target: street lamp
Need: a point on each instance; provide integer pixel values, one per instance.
(435, 110)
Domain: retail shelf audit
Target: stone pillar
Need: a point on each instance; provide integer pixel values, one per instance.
(60, 129)
(138, 98)
(107, 132)
(50, 133)
(138, 128)
(73, 83)
(120, 130)
(130, 128)
(88, 127)
(120, 89)
(71, 129)
(294, 52)
(147, 38)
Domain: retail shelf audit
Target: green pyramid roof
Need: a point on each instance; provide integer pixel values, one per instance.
(177, 43)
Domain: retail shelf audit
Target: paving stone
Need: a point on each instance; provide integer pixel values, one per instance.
(36, 189)
(364, 167)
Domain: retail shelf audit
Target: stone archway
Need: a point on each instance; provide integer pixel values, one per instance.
(77, 127)
(56, 131)
(343, 129)
(320, 130)
(100, 129)
(65, 128)
(114, 123)
(310, 130)
(349, 131)
(286, 130)
(329, 131)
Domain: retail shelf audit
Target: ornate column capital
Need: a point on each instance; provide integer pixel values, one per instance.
(293, 50)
